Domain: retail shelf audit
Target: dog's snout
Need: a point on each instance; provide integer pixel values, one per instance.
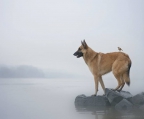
(78, 54)
(75, 54)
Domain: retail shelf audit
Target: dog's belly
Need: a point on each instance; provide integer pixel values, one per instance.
(96, 71)
(105, 71)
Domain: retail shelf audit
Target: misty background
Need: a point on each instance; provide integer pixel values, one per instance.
(38, 37)
(38, 72)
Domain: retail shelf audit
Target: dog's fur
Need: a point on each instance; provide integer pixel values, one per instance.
(99, 64)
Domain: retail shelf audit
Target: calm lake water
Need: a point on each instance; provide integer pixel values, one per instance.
(54, 99)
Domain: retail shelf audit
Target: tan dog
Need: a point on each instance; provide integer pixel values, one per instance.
(99, 64)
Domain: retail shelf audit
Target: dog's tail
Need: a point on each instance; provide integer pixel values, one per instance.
(126, 74)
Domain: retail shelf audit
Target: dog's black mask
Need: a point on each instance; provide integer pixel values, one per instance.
(78, 54)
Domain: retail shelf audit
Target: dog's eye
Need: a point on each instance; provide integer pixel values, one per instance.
(79, 49)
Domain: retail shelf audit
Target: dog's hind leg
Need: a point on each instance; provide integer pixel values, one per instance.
(117, 70)
(122, 84)
(117, 76)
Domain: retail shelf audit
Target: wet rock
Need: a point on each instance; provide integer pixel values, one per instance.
(120, 101)
(126, 94)
(138, 99)
(113, 96)
(100, 102)
(124, 106)
(141, 107)
(97, 101)
(80, 100)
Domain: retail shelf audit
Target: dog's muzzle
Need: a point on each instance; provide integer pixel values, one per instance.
(78, 54)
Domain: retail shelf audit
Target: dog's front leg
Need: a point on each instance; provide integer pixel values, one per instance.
(102, 84)
(96, 79)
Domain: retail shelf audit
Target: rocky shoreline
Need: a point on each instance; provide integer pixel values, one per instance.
(120, 101)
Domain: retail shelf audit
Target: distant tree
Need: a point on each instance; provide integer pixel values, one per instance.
(23, 71)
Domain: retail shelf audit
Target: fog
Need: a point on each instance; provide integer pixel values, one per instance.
(21, 72)
(27, 71)
(38, 39)
(45, 34)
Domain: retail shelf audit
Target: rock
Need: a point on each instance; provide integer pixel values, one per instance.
(80, 100)
(98, 102)
(121, 101)
(124, 106)
(138, 99)
(141, 107)
(113, 96)
(126, 94)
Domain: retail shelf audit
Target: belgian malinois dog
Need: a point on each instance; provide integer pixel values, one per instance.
(99, 64)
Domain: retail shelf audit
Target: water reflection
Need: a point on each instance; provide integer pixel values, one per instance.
(111, 113)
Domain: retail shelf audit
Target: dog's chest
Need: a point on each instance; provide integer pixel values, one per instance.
(92, 68)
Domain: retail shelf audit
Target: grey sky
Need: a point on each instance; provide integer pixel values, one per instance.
(46, 33)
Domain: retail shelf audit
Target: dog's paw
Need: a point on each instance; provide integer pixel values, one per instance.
(113, 89)
(104, 95)
(93, 95)
(118, 90)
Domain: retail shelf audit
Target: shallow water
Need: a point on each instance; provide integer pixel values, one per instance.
(54, 99)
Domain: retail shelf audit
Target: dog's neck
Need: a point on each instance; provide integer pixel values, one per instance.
(89, 56)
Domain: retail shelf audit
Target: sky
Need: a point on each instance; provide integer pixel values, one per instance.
(46, 33)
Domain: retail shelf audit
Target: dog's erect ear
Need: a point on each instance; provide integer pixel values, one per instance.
(84, 44)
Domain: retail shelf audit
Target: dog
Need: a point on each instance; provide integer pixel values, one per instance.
(100, 64)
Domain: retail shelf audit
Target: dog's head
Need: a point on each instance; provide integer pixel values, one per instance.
(81, 50)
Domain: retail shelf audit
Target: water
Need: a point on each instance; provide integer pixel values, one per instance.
(54, 99)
